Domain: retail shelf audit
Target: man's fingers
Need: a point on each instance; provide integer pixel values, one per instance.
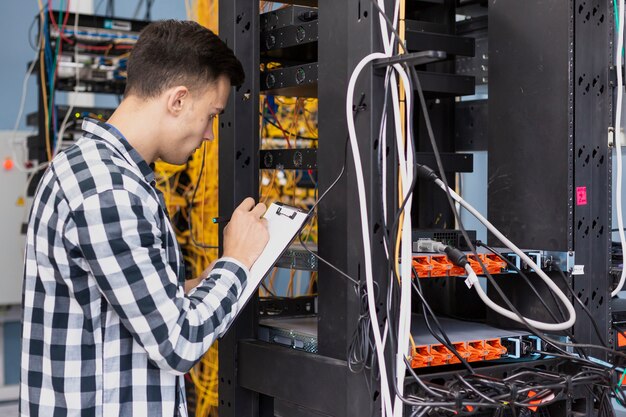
(247, 204)
(259, 210)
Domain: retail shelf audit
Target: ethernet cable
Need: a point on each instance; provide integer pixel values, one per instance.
(365, 231)
(405, 307)
(405, 162)
(473, 280)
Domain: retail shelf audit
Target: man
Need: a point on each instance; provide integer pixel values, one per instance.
(107, 327)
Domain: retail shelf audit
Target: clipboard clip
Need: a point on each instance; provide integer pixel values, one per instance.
(280, 212)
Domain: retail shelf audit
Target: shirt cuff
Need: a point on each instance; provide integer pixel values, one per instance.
(243, 278)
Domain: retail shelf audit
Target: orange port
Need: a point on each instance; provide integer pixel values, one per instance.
(495, 349)
(474, 264)
(477, 350)
(462, 349)
(441, 266)
(473, 351)
(494, 263)
(421, 357)
(422, 266)
(441, 355)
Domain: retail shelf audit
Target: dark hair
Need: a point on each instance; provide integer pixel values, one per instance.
(177, 52)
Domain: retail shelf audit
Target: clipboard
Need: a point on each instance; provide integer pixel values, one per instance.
(284, 223)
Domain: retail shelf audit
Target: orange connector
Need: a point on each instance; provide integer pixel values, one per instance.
(421, 357)
(473, 261)
(441, 355)
(494, 263)
(477, 350)
(462, 349)
(422, 266)
(440, 266)
(495, 349)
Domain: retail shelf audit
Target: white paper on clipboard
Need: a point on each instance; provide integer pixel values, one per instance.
(284, 223)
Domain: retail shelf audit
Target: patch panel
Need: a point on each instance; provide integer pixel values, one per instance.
(472, 351)
(434, 266)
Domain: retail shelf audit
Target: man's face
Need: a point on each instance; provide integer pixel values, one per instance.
(196, 122)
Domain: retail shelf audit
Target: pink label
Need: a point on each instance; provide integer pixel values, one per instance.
(581, 196)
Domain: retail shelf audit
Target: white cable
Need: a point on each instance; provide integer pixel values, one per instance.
(405, 161)
(473, 280)
(549, 327)
(365, 231)
(403, 340)
(618, 140)
(383, 29)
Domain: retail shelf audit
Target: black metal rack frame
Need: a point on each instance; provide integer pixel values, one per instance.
(261, 379)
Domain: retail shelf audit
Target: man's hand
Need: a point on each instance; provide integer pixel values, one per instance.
(246, 234)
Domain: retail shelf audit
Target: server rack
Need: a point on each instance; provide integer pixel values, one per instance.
(257, 378)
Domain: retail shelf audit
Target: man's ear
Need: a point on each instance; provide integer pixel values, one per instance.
(176, 99)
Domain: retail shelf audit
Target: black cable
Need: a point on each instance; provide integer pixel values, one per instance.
(110, 8)
(457, 217)
(580, 303)
(424, 108)
(528, 282)
(267, 120)
(320, 198)
(30, 34)
(531, 286)
(339, 271)
(392, 255)
(137, 8)
(149, 4)
(98, 6)
(444, 340)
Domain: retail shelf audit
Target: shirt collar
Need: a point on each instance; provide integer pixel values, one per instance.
(110, 134)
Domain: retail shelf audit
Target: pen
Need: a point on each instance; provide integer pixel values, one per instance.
(221, 220)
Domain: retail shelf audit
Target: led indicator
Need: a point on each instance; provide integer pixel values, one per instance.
(8, 164)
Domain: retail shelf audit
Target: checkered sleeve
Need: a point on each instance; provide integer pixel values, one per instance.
(120, 239)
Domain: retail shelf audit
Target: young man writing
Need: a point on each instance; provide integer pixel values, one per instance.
(108, 329)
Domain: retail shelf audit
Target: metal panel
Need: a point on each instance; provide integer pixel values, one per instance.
(593, 104)
(441, 84)
(452, 162)
(315, 385)
(470, 125)
(529, 122)
(348, 30)
(299, 34)
(289, 158)
(13, 212)
(239, 178)
(297, 81)
(287, 16)
(450, 44)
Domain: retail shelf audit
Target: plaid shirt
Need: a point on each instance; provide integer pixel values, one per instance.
(107, 327)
